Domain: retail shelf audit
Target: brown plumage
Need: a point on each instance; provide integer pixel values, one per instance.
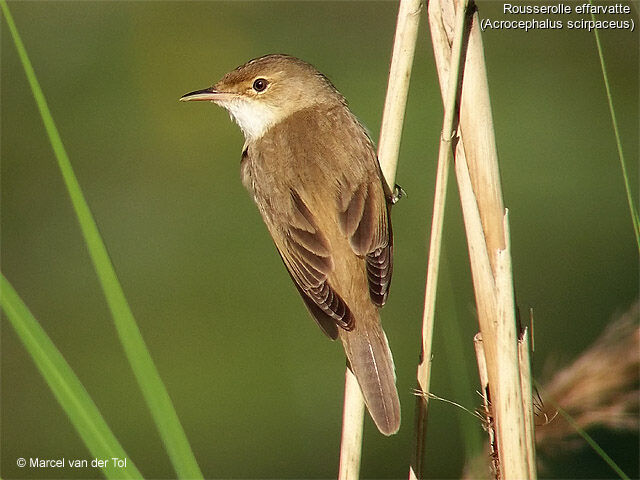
(313, 173)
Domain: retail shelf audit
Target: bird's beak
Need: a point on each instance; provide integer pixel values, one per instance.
(206, 95)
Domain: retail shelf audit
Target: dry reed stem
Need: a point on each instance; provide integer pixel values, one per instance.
(352, 423)
(511, 416)
(488, 240)
(404, 44)
(489, 424)
(435, 242)
(388, 148)
(526, 380)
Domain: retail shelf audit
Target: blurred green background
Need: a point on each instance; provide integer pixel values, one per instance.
(257, 387)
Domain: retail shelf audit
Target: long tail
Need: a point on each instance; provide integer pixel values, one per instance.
(370, 360)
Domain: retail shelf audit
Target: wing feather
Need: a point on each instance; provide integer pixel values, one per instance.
(365, 220)
(306, 254)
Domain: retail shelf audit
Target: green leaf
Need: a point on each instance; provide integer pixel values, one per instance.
(144, 369)
(65, 385)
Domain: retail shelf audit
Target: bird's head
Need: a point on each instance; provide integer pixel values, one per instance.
(266, 90)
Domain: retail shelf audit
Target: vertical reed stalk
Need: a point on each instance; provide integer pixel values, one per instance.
(395, 102)
(524, 351)
(486, 404)
(352, 423)
(388, 149)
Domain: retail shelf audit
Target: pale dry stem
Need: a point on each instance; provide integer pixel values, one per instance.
(435, 242)
(388, 149)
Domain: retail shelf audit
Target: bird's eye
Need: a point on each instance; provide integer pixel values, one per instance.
(260, 85)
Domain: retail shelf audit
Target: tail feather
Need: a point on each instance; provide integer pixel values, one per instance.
(371, 362)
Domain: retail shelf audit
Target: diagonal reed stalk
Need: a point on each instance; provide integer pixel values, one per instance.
(433, 263)
(486, 226)
(388, 148)
(147, 376)
(65, 385)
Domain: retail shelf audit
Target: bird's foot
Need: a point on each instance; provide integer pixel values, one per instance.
(397, 194)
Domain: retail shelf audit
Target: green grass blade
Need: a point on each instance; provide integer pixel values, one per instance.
(635, 219)
(65, 385)
(145, 371)
(460, 374)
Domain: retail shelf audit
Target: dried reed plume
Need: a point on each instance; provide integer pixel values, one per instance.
(600, 388)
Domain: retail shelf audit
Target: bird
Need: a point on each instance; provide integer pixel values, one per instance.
(312, 170)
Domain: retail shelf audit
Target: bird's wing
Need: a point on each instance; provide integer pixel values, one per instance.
(306, 253)
(364, 219)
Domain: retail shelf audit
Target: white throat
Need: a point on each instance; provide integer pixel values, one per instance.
(254, 118)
